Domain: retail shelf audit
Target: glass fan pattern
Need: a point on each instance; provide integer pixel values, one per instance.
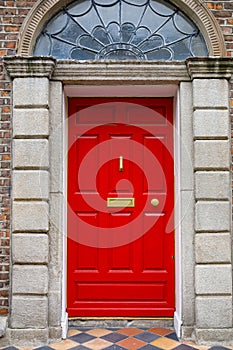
(120, 30)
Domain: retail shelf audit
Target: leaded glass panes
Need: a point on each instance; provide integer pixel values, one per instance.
(120, 30)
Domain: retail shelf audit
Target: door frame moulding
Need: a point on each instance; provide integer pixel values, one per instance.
(87, 76)
(42, 11)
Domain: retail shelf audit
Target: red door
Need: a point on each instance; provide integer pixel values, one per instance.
(120, 207)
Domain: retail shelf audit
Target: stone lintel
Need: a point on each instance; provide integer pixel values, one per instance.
(24, 67)
(93, 72)
(121, 72)
(125, 71)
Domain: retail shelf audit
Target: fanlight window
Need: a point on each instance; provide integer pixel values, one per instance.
(121, 30)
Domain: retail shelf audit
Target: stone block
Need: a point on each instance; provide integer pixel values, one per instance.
(187, 332)
(30, 279)
(55, 309)
(56, 237)
(211, 123)
(5, 340)
(212, 185)
(186, 256)
(55, 334)
(30, 122)
(30, 154)
(35, 248)
(30, 184)
(32, 338)
(210, 93)
(214, 312)
(213, 248)
(30, 217)
(212, 216)
(29, 311)
(213, 279)
(210, 154)
(31, 92)
(221, 337)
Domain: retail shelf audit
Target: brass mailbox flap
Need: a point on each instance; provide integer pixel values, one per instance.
(120, 202)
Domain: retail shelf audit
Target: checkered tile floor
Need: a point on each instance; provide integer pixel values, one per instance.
(121, 339)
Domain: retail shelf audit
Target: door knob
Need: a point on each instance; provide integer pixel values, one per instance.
(154, 202)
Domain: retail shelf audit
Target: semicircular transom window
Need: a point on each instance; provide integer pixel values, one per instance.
(120, 30)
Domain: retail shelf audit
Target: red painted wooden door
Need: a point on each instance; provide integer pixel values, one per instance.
(120, 207)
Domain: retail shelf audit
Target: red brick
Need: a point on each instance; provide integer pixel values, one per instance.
(17, 20)
(25, 3)
(228, 5)
(8, 11)
(223, 14)
(227, 30)
(4, 311)
(6, 157)
(11, 36)
(214, 6)
(22, 12)
(228, 37)
(230, 46)
(12, 28)
(5, 93)
(6, 109)
(9, 3)
(7, 20)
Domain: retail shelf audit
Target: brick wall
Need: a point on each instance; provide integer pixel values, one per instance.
(223, 12)
(12, 14)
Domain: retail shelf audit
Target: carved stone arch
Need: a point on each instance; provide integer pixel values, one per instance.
(195, 9)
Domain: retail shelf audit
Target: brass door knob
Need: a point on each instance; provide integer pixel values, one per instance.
(154, 202)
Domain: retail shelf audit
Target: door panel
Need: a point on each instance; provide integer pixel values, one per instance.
(120, 259)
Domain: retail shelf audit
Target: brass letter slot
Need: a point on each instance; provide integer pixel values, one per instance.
(120, 202)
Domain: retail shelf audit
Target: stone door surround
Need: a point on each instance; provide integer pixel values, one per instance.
(203, 232)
